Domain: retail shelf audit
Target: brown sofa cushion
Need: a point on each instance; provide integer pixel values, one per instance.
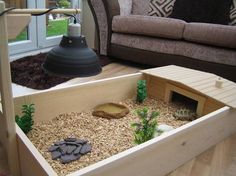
(140, 7)
(213, 34)
(149, 26)
(125, 7)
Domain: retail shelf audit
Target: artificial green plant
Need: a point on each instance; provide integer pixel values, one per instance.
(141, 91)
(25, 122)
(146, 128)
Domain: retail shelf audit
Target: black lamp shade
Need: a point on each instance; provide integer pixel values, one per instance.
(72, 58)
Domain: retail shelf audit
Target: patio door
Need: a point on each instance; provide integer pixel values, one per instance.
(44, 31)
(27, 40)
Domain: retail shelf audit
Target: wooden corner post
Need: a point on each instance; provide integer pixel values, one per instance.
(7, 119)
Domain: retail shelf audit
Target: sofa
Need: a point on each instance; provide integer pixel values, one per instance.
(126, 31)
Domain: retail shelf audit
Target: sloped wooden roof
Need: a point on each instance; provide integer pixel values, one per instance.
(199, 81)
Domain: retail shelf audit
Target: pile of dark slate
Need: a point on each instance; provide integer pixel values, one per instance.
(69, 149)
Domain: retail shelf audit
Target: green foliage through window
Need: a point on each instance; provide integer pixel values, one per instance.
(63, 3)
(146, 128)
(25, 122)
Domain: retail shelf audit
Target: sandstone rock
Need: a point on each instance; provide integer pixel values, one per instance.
(110, 110)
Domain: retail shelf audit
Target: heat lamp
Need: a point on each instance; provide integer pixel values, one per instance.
(72, 57)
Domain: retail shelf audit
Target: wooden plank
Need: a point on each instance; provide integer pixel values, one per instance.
(157, 154)
(217, 161)
(79, 97)
(156, 88)
(31, 161)
(196, 78)
(202, 82)
(16, 24)
(201, 100)
(214, 91)
(210, 84)
(37, 11)
(226, 94)
(211, 105)
(176, 76)
(9, 136)
(233, 102)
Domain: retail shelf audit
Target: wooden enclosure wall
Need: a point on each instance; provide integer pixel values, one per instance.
(7, 118)
(184, 143)
(162, 155)
(32, 162)
(49, 104)
(157, 89)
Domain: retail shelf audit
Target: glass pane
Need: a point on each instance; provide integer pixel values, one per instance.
(57, 23)
(18, 4)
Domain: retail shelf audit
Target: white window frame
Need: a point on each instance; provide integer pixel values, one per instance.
(31, 43)
(37, 39)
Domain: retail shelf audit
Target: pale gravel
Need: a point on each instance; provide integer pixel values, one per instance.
(108, 137)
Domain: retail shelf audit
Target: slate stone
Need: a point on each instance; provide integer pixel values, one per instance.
(53, 148)
(55, 155)
(81, 141)
(65, 159)
(70, 149)
(63, 149)
(77, 150)
(59, 143)
(70, 139)
(75, 157)
(71, 143)
(85, 149)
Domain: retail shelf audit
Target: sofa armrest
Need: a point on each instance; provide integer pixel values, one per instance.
(103, 12)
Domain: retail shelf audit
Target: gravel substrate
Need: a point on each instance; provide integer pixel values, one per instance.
(107, 136)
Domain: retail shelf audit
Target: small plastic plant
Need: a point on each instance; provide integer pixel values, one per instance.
(146, 128)
(141, 91)
(25, 122)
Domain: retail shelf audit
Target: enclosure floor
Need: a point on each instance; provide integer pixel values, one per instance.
(219, 160)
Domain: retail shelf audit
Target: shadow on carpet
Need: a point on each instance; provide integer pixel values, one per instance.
(28, 72)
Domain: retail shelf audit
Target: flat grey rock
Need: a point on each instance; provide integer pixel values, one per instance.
(75, 157)
(63, 149)
(55, 155)
(53, 148)
(59, 143)
(66, 159)
(85, 149)
(81, 141)
(70, 149)
(71, 143)
(70, 139)
(77, 150)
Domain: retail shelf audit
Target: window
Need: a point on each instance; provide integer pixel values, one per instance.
(43, 31)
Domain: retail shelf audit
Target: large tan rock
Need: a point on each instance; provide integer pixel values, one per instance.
(110, 110)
